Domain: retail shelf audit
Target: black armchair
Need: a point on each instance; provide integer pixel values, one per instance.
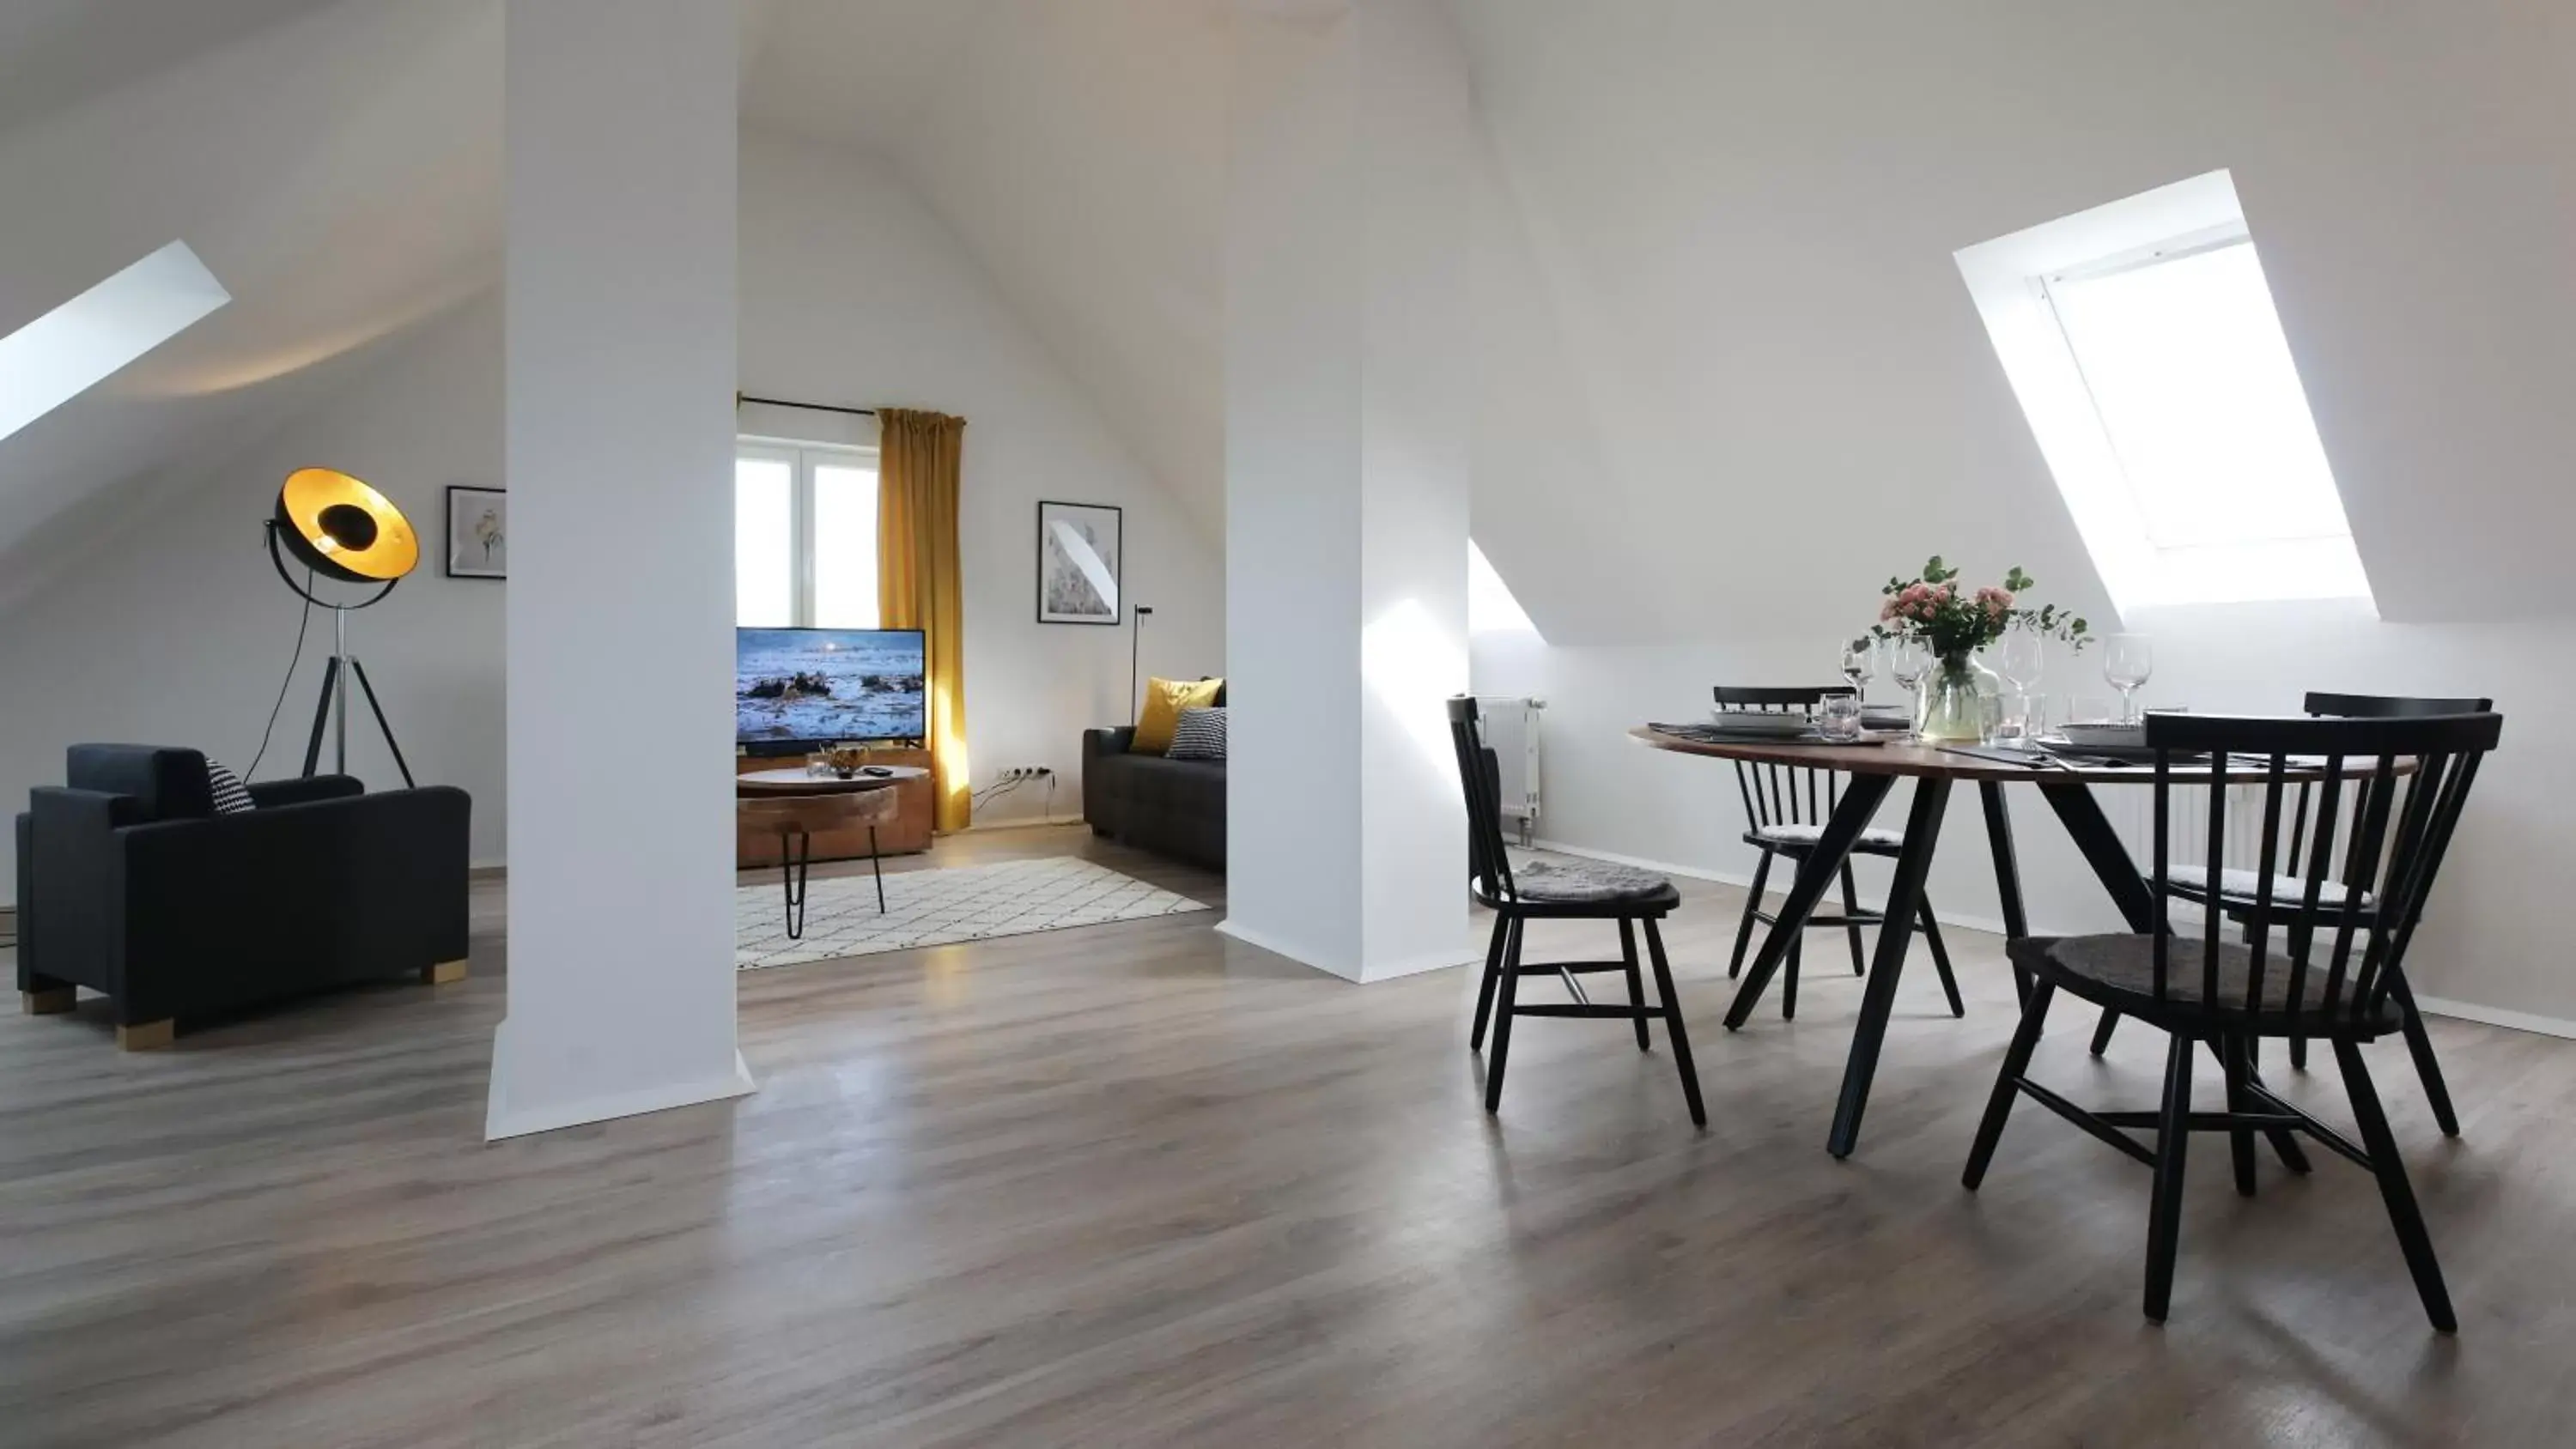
(130, 884)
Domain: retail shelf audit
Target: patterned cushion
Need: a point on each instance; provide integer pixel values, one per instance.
(2242, 884)
(1200, 735)
(1585, 880)
(1797, 835)
(1164, 701)
(230, 796)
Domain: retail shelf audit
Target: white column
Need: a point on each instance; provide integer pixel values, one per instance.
(619, 285)
(1347, 408)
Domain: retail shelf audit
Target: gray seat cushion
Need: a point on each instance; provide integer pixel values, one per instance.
(2241, 885)
(2120, 971)
(1801, 837)
(1585, 882)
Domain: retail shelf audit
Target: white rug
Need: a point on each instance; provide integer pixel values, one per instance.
(936, 907)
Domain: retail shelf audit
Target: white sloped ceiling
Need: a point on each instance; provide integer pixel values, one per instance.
(337, 168)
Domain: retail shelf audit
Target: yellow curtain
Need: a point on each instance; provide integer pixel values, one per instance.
(917, 582)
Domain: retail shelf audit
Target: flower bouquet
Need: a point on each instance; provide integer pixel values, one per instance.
(1952, 624)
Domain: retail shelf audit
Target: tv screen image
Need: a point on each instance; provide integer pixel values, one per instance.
(795, 687)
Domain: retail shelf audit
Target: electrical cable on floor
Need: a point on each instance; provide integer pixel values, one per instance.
(302, 623)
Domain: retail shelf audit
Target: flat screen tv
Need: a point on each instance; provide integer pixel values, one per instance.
(799, 689)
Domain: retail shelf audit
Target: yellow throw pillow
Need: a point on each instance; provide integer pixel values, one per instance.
(1164, 701)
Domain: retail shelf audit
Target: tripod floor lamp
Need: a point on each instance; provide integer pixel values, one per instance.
(339, 528)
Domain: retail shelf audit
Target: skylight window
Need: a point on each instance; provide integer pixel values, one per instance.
(81, 343)
(2142, 342)
(1491, 609)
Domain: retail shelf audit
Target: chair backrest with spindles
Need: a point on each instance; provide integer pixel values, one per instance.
(2324, 948)
(1783, 794)
(2324, 704)
(1480, 775)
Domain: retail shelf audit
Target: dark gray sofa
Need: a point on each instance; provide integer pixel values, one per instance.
(1170, 807)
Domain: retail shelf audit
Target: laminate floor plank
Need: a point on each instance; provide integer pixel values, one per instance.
(1139, 1184)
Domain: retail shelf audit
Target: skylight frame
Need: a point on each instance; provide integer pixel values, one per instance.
(98, 334)
(2009, 280)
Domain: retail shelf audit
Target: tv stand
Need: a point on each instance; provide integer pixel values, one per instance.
(909, 833)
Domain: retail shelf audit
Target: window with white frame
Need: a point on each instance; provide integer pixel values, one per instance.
(804, 535)
(2141, 340)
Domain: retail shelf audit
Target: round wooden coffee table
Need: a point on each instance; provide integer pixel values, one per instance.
(797, 805)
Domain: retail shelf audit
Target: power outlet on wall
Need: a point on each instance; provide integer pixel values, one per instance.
(1028, 772)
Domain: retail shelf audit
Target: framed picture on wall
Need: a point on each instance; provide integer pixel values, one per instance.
(478, 533)
(1078, 563)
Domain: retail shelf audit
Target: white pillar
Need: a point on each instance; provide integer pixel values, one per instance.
(619, 285)
(1347, 408)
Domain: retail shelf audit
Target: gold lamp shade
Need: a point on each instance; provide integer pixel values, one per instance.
(342, 528)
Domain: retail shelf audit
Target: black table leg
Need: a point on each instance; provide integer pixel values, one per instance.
(1999, 839)
(1851, 816)
(2082, 816)
(876, 864)
(1895, 934)
(793, 863)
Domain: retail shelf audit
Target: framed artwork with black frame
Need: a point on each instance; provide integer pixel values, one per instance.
(1079, 550)
(478, 533)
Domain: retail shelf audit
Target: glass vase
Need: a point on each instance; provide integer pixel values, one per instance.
(1953, 705)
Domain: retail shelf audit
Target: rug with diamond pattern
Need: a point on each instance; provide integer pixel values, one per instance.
(936, 907)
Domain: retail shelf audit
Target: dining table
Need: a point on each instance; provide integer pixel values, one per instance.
(1874, 764)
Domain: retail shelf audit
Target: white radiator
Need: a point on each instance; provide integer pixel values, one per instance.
(1511, 731)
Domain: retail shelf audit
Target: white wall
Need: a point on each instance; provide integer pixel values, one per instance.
(172, 629)
(1744, 218)
(853, 293)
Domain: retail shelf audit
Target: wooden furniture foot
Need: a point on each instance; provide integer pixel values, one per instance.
(52, 1001)
(445, 973)
(145, 1036)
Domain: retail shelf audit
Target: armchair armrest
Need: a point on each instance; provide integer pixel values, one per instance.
(1112, 741)
(72, 887)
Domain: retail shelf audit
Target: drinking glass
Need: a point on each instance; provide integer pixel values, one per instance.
(1860, 666)
(2021, 719)
(2087, 709)
(2128, 663)
(1838, 717)
(1908, 660)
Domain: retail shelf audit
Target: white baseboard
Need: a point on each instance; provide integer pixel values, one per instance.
(2497, 1016)
(2434, 1005)
(1366, 975)
(1020, 822)
(501, 1120)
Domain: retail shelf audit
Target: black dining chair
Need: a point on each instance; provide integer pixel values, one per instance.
(1787, 807)
(1637, 900)
(2236, 893)
(2313, 962)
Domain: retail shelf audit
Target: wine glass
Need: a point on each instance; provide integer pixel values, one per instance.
(1860, 665)
(2127, 663)
(1909, 659)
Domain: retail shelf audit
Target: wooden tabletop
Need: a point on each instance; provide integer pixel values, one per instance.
(1899, 758)
(794, 781)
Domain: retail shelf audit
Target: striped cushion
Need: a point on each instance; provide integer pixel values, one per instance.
(230, 796)
(1200, 735)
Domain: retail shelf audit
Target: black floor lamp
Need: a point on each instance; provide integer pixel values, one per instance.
(1135, 646)
(340, 528)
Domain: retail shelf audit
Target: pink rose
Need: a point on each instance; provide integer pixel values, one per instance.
(1887, 611)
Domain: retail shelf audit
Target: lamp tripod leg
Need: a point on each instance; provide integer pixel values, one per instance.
(321, 717)
(368, 687)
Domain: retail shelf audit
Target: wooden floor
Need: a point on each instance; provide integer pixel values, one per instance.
(1137, 1185)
